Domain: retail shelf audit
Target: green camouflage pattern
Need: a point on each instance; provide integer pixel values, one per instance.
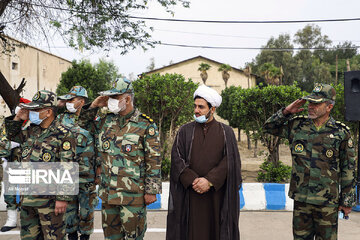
(314, 221)
(41, 99)
(76, 91)
(123, 222)
(119, 86)
(321, 93)
(129, 154)
(10, 200)
(322, 160)
(82, 220)
(42, 223)
(53, 144)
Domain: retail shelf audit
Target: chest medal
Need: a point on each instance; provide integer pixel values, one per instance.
(299, 148)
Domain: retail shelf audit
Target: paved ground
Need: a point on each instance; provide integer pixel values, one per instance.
(253, 226)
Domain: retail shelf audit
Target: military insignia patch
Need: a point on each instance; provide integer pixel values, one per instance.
(25, 152)
(332, 136)
(128, 148)
(329, 153)
(151, 131)
(350, 143)
(106, 145)
(66, 145)
(299, 148)
(46, 157)
(36, 97)
(317, 89)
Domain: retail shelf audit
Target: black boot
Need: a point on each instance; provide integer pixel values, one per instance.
(73, 236)
(84, 237)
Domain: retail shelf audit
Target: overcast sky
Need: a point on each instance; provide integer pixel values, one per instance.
(236, 35)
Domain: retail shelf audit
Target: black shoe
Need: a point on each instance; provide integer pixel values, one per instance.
(73, 236)
(6, 228)
(84, 237)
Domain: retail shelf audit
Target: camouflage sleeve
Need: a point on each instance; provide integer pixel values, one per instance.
(348, 172)
(152, 160)
(5, 146)
(277, 124)
(13, 130)
(84, 153)
(87, 117)
(67, 153)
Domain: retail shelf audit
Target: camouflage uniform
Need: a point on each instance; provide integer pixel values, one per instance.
(80, 212)
(53, 144)
(129, 154)
(323, 161)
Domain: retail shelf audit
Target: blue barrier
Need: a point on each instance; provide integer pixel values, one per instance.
(275, 196)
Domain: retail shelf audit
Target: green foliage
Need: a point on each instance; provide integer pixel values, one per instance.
(93, 78)
(224, 68)
(204, 67)
(165, 168)
(274, 173)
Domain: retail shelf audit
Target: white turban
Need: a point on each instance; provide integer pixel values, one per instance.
(209, 94)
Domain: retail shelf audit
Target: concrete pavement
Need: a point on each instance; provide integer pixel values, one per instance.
(254, 225)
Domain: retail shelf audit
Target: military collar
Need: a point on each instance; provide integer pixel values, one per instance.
(331, 122)
(134, 115)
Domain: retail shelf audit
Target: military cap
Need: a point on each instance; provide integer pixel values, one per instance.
(321, 93)
(119, 86)
(41, 99)
(76, 91)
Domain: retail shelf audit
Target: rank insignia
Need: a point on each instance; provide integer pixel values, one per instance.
(151, 131)
(66, 145)
(317, 89)
(106, 145)
(299, 148)
(46, 157)
(331, 136)
(350, 143)
(25, 152)
(329, 153)
(128, 148)
(36, 97)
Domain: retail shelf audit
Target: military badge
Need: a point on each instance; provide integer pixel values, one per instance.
(350, 143)
(299, 148)
(106, 145)
(151, 131)
(46, 157)
(25, 152)
(128, 148)
(36, 97)
(332, 136)
(329, 153)
(317, 89)
(66, 145)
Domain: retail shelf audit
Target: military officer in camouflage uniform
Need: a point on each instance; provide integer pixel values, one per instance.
(45, 140)
(80, 212)
(323, 164)
(129, 156)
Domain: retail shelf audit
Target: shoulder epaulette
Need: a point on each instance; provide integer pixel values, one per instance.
(147, 117)
(299, 117)
(63, 129)
(343, 125)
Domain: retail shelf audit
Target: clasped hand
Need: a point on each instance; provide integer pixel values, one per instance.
(201, 185)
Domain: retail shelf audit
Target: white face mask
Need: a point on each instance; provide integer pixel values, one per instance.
(70, 107)
(116, 106)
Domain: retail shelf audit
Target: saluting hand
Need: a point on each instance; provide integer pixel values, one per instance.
(295, 107)
(61, 103)
(23, 114)
(100, 101)
(201, 185)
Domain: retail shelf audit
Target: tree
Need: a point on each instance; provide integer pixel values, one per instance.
(10, 96)
(82, 24)
(93, 78)
(203, 67)
(151, 65)
(225, 69)
(271, 73)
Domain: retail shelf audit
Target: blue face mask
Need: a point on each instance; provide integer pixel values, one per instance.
(202, 118)
(34, 117)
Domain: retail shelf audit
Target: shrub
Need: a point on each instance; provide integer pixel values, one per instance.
(271, 173)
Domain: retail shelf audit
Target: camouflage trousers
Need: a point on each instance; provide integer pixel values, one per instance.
(41, 223)
(80, 213)
(10, 201)
(123, 222)
(314, 221)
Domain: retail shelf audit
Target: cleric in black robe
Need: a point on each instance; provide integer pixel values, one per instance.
(205, 176)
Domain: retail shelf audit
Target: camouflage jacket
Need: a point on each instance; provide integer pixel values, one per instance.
(322, 160)
(84, 150)
(129, 154)
(53, 144)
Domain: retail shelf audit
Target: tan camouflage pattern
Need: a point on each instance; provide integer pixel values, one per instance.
(321, 93)
(53, 144)
(129, 154)
(131, 220)
(314, 221)
(323, 161)
(41, 99)
(42, 223)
